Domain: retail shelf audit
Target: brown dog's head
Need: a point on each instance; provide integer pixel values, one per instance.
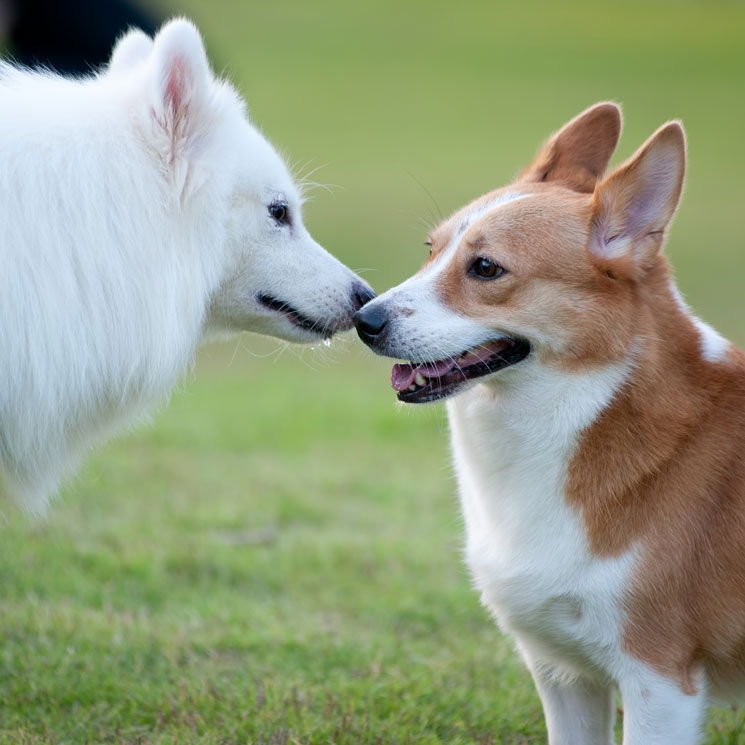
(550, 270)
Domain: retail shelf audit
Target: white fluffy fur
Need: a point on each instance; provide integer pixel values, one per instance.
(135, 223)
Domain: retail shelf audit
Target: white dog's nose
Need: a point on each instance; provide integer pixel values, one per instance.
(361, 294)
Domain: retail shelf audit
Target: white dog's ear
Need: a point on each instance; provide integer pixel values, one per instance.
(180, 94)
(131, 49)
(578, 154)
(634, 205)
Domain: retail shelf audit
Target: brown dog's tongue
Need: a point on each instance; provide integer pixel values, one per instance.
(402, 376)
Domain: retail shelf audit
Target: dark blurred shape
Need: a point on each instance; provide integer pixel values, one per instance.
(71, 36)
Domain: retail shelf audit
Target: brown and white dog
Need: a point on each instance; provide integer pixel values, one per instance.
(598, 432)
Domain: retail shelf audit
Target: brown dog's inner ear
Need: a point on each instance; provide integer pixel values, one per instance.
(633, 206)
(578, 154)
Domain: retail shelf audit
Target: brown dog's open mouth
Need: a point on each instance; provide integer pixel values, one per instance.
(418, 383)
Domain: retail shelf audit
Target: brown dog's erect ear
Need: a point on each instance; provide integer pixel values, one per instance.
(634, 205)
(578, 154)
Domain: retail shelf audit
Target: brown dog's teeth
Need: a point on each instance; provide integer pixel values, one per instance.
(420, 380)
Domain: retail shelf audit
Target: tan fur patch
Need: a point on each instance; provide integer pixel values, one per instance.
(662, 470)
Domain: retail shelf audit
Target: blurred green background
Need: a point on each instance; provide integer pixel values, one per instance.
(276, 558)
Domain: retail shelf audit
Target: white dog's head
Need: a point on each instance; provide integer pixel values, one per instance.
(227, 181)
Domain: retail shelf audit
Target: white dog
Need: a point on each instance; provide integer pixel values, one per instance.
(142, 212)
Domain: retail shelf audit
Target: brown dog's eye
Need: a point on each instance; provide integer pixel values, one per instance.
(486, 269)
(429, 244)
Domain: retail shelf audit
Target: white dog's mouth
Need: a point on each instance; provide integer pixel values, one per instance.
(418, 383)
(323, 329)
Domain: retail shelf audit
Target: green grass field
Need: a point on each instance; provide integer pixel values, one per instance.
(276, 558)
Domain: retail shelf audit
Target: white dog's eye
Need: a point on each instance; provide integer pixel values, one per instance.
(280, 213)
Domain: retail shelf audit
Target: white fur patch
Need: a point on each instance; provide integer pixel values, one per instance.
(471, 219)
(714, 347)
(477, 214)
(513, 439)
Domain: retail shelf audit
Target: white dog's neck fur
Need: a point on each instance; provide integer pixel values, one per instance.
(97, 303)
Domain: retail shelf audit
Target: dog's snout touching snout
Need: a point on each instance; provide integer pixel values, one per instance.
(370, 323)
(361, 295)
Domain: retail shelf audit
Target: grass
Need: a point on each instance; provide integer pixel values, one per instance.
(276, 559)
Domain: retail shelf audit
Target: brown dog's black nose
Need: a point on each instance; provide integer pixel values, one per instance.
(361, 294)
(370, 323)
